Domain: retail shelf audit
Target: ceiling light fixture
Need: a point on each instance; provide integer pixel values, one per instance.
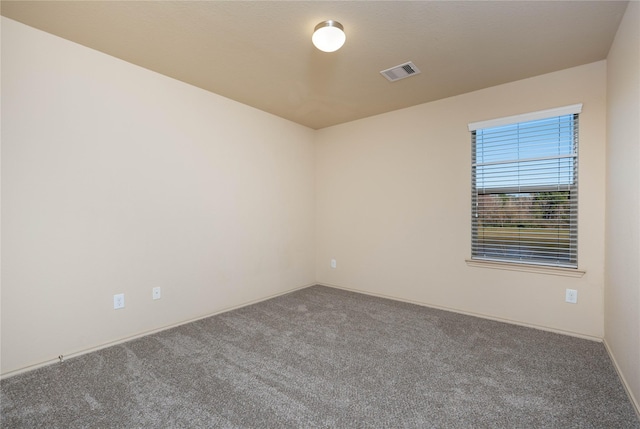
(328, 36)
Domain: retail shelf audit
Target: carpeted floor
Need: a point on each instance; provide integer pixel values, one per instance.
(322, 357)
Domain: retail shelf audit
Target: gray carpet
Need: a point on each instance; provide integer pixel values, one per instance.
(322, 357)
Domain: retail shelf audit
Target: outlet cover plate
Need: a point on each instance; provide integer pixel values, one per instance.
(156, 294)
(118, 301)
(571, 296)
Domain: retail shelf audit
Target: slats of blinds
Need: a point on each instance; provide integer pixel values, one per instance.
(524, 192)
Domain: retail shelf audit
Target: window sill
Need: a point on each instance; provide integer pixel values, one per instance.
(537, 269)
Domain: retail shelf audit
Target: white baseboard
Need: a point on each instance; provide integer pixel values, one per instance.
(469, 313)
(632, 398)
(141, 334)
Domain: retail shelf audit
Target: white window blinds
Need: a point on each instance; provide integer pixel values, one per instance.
(525, 188)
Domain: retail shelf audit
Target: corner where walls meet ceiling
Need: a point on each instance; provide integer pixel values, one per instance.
(260, 52)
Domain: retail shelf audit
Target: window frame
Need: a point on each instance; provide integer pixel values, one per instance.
(535, 263)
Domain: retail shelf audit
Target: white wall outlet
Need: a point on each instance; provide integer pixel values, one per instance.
(155, 294)
(118, 301)
(571, 296)
(334, 264)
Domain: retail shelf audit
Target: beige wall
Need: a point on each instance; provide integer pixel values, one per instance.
(622, 297)
(116, 179)
(393, 205)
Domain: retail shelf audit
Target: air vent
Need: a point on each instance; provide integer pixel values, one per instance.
(400, 72)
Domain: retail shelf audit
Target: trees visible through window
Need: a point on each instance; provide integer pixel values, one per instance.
(525, 188)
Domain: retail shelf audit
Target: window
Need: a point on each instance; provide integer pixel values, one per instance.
(525, 188)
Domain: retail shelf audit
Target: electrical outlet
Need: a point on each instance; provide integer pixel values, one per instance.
(155, 294)
(334, 264)
(118, 301)
(571, 296)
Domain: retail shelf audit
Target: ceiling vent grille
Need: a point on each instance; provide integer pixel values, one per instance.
(400, 72)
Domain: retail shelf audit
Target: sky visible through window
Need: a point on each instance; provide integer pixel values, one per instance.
(522, 155)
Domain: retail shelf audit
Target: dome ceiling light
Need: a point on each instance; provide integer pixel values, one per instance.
(328, 36)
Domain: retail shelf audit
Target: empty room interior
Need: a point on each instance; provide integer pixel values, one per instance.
(178, 165)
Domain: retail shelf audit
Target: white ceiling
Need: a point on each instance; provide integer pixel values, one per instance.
(260, 52)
